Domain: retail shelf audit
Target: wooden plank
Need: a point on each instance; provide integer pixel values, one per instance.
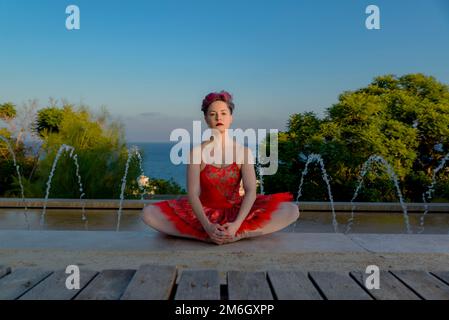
(425, 285)
(390, 288)
(15, 284)
(248, 286)
(151, 282)
(293, 285)
(4, 271)
(108, 285)
(54, 287)
(198, 285)
(442, 275)
(338, 286)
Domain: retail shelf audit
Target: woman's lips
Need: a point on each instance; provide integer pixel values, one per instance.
(219, 124)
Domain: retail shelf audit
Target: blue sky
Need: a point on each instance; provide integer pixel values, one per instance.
(151, 62)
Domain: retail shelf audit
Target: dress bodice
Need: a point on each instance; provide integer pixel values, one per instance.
(220, 186)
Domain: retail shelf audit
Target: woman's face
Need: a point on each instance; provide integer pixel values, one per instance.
(218, 116)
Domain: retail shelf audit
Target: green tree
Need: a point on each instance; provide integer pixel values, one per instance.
(101, 151)
(49, 119)
(7, 111)
(9, 185)
(403, 119)
(100, 148)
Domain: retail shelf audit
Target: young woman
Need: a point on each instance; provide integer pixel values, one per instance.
(214, 210)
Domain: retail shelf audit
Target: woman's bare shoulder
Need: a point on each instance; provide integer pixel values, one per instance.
(196, 154)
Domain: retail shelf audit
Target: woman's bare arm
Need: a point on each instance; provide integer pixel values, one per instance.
(249, 184)
(193, 191)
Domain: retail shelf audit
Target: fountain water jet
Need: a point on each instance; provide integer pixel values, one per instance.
(260, 173)
(142, 173)
(430, 190)
(366, 166)
(131, 151)
(73, 156)
(317, 158)
(19, 176)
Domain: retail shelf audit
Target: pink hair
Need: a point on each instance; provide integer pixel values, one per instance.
(217, 96)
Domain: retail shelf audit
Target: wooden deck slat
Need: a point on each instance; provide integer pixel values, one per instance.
(54, 287)
(155, 282)
(248, 286)
(424, 284)
(443, 275)
(151, 283)
(390, 288)
(339, 286)
(4, 271)
(13, 285)
(198, 285)
(293, 285)
(108, 285)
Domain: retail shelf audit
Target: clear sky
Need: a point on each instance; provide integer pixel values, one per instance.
(152, 62)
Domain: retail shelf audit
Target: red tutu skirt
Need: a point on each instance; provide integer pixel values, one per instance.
(181, 214)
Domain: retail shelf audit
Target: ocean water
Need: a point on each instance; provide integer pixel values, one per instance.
(157, 164)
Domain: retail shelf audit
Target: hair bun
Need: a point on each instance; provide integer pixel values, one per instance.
(217, 96)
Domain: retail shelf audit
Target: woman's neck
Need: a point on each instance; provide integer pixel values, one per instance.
(222, 139)
(223, 144)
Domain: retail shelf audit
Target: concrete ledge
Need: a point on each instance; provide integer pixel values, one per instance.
(280, 242)
(404, 243)
(139, 204)
(280, 251)
(379, 207)
(78, 204)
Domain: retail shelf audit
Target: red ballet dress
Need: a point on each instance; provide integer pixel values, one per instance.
(221, 202)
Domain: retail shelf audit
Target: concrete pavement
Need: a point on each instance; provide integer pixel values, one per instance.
(98, 250)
